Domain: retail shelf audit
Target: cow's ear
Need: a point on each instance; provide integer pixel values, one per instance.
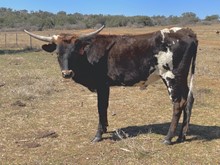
(49, 47)
(95, 53)
(98, 51)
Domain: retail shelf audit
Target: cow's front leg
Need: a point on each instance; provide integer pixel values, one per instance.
(177, 110)
(103, 97)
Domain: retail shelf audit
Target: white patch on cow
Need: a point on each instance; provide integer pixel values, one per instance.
(163, 31)
(170, 92)
(175, 29)
(168, 74)
(164, 59)
(166, 30)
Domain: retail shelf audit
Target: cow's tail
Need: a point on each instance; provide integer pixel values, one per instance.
(190, 98)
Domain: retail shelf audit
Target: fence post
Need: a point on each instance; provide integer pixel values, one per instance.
(5, 39)
(16, 39)
(30, 42)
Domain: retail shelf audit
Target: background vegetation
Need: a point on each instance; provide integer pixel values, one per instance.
(11, 20)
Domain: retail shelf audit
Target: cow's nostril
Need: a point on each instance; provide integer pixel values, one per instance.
(67, 73)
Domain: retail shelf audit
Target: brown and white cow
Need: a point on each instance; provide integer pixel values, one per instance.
(100, 61)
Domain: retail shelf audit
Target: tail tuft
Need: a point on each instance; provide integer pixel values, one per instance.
(190, 100)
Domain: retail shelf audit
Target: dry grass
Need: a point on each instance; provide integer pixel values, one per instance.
(46, 120)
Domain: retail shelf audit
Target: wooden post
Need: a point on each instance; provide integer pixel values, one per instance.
(5, 39)
(16, 39)
(30, 42)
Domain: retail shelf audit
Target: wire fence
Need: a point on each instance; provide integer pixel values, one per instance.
(18, 40)
(14, 40)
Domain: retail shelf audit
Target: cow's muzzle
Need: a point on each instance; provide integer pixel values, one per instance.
(67, 73)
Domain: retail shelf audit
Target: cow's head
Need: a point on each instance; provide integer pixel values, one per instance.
(67, 48)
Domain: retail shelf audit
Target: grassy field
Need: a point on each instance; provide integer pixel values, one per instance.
(47, 120)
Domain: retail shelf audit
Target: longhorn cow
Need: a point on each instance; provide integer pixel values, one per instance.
(99, 61)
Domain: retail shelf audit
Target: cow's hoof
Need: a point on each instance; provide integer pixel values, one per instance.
(96, 139)
(167, 142)
(181, 140)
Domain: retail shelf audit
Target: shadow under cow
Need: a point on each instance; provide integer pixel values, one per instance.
(198, 132)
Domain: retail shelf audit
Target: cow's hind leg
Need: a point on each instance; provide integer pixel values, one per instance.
(186, 117)
(182, 101)
(103, 97)
(174, 90)
(177, 110)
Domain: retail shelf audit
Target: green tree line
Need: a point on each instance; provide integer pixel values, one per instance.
(40, 20)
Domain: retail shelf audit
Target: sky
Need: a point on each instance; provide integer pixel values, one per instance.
(201, 8)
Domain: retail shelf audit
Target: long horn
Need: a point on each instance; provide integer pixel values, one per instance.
(42, 38)
(92, 34)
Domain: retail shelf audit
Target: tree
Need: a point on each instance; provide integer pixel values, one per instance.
(143, 20)
(116, 21)
(189, 18)
(159, 20)
(173, 20)
(212, 18)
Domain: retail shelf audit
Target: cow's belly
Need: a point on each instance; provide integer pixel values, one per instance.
(133, 77)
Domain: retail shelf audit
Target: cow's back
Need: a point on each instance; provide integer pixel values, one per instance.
(145, 58)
